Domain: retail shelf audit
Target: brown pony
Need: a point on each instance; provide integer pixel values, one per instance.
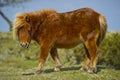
(52, 30)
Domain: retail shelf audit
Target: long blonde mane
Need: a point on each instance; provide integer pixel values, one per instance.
(18, 23)
(20, 19)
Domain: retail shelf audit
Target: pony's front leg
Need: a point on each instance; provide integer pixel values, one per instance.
(43, 55)
(55, 57)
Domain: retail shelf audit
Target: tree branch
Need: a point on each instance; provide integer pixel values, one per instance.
(6, 19)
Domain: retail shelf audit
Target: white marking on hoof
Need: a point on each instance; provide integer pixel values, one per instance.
(56, 69)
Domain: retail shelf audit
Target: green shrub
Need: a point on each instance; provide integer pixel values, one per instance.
(109, 52)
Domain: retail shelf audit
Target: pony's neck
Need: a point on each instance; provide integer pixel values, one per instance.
(35, 24)
(37, 18)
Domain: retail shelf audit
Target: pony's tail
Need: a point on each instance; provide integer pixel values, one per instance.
(103, 28)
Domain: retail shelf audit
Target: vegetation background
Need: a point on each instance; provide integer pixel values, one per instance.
(15, 60)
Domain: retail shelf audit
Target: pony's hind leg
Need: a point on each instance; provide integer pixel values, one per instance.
(86, 60)
(55, 57)
(93, 52)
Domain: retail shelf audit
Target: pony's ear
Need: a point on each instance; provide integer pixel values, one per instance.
(27, 18)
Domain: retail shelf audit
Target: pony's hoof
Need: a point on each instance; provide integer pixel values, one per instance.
(84, 68)
(92, 71)
(38, 72)
(56, 69)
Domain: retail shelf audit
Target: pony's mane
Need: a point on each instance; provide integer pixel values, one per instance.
(18, 23)
(20, 19)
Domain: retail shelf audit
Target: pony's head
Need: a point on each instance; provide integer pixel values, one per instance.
(22, 29)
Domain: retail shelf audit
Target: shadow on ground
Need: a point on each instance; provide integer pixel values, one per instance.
(99, 68)
(63, 69)
(52, 70)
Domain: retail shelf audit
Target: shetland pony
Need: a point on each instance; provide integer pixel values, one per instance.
(52, 30)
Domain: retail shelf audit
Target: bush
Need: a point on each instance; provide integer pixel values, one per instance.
(109, 51)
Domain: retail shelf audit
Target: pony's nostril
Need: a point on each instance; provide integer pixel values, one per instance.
(22, 44)
(25, 45)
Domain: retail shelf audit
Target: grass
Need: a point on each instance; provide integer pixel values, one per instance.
(14, 61)
(13, 71)
(15, 67)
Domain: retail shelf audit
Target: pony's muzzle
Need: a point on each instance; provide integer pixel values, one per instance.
(25, 45)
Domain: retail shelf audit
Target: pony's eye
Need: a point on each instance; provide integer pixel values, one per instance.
(29, 31)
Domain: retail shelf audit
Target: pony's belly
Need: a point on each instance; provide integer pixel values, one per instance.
(67, 44)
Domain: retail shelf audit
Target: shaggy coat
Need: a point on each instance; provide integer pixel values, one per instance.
(54, 30)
